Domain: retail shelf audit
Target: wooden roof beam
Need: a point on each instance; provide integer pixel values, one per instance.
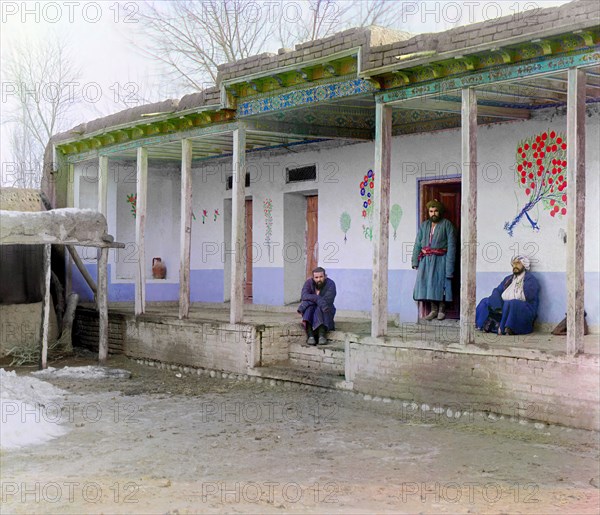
(429, 104)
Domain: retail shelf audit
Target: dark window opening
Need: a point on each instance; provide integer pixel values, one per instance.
(304, 173)
(229, 183)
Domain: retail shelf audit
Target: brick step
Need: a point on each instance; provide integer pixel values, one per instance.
(320, 358)
(286, 372)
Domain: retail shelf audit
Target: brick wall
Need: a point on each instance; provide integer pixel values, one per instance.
(551, 389)
(381, 46)
(520, 25)
(329, 360)
(209, 345)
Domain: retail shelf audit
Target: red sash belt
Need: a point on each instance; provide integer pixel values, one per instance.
(429, 251)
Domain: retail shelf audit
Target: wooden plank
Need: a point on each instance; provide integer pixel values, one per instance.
(82, 269)
(468, 229)
(103, 305)
(238, 220)
(46, 306)
(185, 235)
(140, 228)
(576, 209)
(381, 219)
(432, 104)
(103, 185)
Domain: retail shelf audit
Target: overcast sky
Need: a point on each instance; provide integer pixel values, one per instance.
(99, 33)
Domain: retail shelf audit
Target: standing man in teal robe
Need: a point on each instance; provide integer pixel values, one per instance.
(434, 256)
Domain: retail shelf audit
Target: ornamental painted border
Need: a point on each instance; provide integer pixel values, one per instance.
(307, 96)
(508, 72)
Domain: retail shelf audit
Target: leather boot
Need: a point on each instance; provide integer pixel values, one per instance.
(442, 311)
(311, 336)
(321, 335)
(434, 311)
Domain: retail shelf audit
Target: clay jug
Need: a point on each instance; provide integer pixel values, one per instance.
(159, 269)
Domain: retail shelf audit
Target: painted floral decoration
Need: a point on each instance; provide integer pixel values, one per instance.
(268, 210)
(345, 222)
(541, 172)
(132, 199)
(395, 217)
(367, 187)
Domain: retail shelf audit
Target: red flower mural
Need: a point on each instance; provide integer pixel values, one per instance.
(132, 200)
(541, 172)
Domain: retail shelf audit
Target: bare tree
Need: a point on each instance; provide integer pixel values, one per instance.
(40, 88)
(322, 18)
(193, 37)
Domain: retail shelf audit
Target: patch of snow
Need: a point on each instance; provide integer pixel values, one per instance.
(89, 372)
(26, 417)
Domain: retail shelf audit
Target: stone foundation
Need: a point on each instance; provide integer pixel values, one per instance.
(430, 377)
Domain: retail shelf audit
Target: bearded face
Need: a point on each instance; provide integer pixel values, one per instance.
(434, 215)
(517, 267)
(319, 280)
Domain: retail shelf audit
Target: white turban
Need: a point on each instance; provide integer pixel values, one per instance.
(524, 261)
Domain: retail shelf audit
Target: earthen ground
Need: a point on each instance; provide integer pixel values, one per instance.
(159, 443)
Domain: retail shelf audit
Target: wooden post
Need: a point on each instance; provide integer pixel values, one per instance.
(576, 209)
(140, 227)
(47, 305)
(238, 225)
(82, 269)
(185, 236)
(381, 218)
(103, 184)
(468, 209)
(103, 305)
(71, 185)
(102, 205)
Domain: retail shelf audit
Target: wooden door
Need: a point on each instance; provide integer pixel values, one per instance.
(312, 234)
(448, 193)
(248, 272)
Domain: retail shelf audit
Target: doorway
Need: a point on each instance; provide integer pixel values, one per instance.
(448, 192)
(312, 234)
(248, 271)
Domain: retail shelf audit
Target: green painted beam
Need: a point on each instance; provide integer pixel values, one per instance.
(533, 68)
(306, 97)
(153, 140)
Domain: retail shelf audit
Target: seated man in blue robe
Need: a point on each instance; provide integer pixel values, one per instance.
(316, 307)
(512, 306)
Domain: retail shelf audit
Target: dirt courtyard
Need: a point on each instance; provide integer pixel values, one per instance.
(168, 442)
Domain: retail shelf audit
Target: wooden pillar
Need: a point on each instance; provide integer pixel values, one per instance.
(185, 235)
(103, 184)
(381, 218)
(46, 306)
(102, 204)
(238, 225)
(70, 202)
(102, 300)
(140, 227)
(71, 185)
(575, 209)
(468, 209)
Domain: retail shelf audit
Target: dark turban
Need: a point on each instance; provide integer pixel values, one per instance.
(437, 204)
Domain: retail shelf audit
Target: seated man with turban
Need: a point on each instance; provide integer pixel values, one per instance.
(512, 306)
